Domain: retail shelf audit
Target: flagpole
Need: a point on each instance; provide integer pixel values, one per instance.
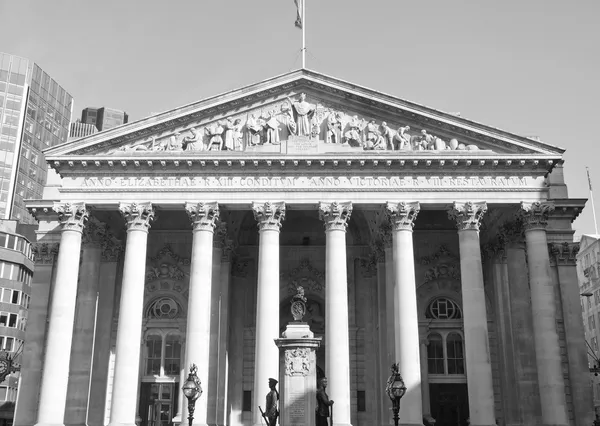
(592, 200)
(304, 34)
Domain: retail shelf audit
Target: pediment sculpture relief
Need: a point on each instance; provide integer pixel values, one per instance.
(295, 118)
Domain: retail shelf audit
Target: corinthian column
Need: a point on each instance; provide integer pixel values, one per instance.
(204, 217)
(55, 374)
(477, 349)
(337, 353)
(406, 322)
(543, 307)
(129, 334)
(266, 357)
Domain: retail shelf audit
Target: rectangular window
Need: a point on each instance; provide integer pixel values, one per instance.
(3, 393)
(15, 297)
(154, 348)
(6, 295)
(12, 320)
(10, 342)
(3, 319)
(361, 402)
(247, 401)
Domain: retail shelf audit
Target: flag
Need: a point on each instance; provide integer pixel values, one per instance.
(299, 12)
(589, 179)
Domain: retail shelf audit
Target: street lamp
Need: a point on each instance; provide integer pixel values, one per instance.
(192, 391)
(395, 389)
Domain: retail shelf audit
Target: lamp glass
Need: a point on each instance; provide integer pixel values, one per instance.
(190, 390)
(397, 389)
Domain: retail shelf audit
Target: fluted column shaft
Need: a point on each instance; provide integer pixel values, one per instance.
(55, 373)
(406, 322)
(204, 217)
(543, 307)
(337, 355)
(477, 349)
(129, 333)
(266, 357)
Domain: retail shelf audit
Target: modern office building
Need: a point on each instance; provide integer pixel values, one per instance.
(80, 130)
(588, 274)
(104, 118)
(35, 112)
(416, 236)
(16, 270)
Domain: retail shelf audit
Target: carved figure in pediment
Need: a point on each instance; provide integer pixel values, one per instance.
(453, 144)
(403, 139)
(388, 136)
(303, 115)
(374, 139)
(271, 128)
(193, 142)
(254, 126)
(215, 137)
(233, 134)
(290, 122)
(174, 143)
(354, 134)
(334, 128)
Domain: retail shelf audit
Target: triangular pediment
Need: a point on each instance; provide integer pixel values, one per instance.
(296, 114)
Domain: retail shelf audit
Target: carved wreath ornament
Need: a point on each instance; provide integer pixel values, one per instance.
(297, 362)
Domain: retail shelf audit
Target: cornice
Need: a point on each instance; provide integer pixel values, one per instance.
(342, 91)
(478, 162)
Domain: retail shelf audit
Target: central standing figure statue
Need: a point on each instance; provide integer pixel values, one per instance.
(272, 403)
(303, 112)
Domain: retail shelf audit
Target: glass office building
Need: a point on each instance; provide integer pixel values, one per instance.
(104, 118)
(35, 112)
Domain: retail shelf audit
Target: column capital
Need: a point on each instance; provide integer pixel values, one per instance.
(403, 214)
(72, 216)
(269, 215)
(335, 215)
(535, 214)
(137, 215)
(467, 215)
(204, 216)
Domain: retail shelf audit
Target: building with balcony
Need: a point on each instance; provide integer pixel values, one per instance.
(16, 271)
(80, 130)
(35, 112)
(588, 274)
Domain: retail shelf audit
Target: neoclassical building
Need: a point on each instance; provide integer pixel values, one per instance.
(419, 237)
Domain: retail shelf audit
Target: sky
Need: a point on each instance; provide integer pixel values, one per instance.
(528, 67)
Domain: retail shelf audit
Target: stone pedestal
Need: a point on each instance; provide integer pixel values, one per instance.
(298, 384)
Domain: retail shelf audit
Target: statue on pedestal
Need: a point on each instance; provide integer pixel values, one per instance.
(272, 404)
(323, 403)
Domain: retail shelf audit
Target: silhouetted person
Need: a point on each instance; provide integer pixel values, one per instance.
(271, 407)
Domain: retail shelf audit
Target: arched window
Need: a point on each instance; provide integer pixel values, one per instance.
(443, 308)
(455, 354)
(163, 355)
(435, 354)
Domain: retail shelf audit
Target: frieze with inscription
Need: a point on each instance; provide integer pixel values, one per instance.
(220, 183)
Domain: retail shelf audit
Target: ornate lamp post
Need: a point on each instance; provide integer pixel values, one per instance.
(192, 391)
(395, 389)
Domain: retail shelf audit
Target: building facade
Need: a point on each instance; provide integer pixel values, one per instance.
(35, 114)
(588, 273)
(418, 237)
(103, 118)
(80, 130)
(16, 270)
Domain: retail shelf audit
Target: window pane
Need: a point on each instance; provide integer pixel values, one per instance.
(435, 354)
(454, 347)
(172, 355)
(15, 297)
(6, 295)
(153, 347)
